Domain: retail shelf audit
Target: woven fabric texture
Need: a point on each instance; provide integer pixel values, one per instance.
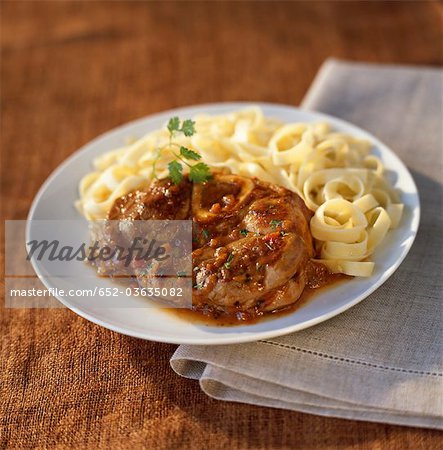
(382, 360)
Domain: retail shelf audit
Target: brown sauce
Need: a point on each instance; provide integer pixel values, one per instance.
(320, 279)
(225, 320)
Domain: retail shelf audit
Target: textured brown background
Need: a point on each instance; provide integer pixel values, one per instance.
(71, 71)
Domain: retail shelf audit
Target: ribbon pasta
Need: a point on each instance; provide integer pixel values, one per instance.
(339, 179)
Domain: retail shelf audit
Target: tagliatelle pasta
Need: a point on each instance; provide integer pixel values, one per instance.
(339, 179)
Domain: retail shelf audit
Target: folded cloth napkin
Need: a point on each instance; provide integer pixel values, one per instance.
(381, 360)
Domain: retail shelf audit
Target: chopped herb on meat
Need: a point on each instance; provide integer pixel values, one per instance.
(275, 223)
(229, 261)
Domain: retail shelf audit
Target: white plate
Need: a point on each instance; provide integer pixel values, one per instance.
(155, 324)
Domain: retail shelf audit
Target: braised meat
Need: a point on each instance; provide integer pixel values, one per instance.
(162, 200)
(251, 239)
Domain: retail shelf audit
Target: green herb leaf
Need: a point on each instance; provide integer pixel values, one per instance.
(189, 154)
(199, 173)
(175, 171)
(244, 232)
(275, 223)
(229, 260)
(173, 124)
(205, 234)
(188, 127)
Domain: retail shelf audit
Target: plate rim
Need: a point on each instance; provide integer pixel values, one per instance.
(244, 337)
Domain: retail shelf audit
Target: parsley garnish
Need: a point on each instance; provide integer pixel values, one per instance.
(244, 232)
(229, 260)
(188, 127)
(275, 223)
(189, 154)
(205, 234)
(198, 173)
(175, 171)
(173, 124)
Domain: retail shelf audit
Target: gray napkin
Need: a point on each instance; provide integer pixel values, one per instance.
(381, 360)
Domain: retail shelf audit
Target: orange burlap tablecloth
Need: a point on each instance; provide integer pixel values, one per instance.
(72, 70)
